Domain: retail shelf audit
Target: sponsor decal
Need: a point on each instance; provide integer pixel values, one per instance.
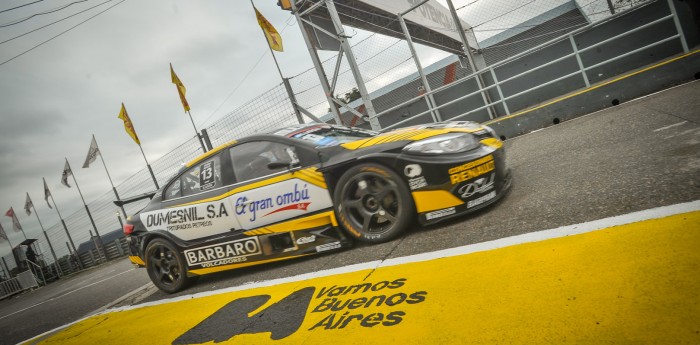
(479, 186)
(481, 200)
(327, 246)
(284, 201)
(472, 169)
(440, 213)
(367, 305)
(186, 218)
(305, 240)
(310, 137)
(223, 253)
(206, 176)
(413, 170)
(418, 182)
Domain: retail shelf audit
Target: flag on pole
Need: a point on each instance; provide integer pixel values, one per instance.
(28, 205)
(273, 37)
(92, 153)
(180, 88)
(47, 193)
(66, 173)
(128, 126)
(3, 235)
(15, 222)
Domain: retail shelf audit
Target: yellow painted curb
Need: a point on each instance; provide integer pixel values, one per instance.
(628, 284)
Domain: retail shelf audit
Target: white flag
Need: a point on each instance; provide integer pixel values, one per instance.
(92, 153)
(47, 193)
(66, 172)
(28, 205)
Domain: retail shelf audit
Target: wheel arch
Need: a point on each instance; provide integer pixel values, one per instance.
(334, 172)
(149, 236)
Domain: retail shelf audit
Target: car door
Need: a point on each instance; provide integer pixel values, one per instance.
(195, 204)
(265, 194)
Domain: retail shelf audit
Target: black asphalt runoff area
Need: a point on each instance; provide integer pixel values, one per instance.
(635, 156)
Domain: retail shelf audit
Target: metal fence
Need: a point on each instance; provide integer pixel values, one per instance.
(506, 30)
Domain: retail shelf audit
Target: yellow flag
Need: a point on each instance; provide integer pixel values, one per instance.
(128, 126)
(180, 88)
(273, 37)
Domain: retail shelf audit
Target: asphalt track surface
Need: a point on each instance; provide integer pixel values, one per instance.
(616, 161)
(635, 156)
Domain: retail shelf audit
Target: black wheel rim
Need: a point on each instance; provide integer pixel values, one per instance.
(370, 202)
(164, 265)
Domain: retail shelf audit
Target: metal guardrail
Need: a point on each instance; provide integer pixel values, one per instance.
(21, 282)
(575, 53)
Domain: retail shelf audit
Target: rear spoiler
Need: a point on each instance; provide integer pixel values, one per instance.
(129, 200)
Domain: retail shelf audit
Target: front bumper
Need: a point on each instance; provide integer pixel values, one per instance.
(448, 186)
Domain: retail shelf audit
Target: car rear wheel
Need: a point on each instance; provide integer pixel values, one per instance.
(166, 266)
(372, 203)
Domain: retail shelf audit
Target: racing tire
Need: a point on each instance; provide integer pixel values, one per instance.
(166, 266)
(372, 203)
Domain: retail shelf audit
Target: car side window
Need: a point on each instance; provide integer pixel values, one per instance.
(250, 160)
(202, 177)
(173, 191)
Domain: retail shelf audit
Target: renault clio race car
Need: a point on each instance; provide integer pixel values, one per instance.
(309, 189)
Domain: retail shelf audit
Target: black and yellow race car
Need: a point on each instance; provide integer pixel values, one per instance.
(310, 189)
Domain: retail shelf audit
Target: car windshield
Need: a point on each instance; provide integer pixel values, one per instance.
(333, 135)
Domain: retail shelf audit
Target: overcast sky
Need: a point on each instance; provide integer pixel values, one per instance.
(57, 95)
(57, 92)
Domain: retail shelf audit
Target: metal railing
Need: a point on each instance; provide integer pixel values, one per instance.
(23, 281)
(497, 84)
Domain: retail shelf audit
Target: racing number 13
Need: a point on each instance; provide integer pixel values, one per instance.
(206, 175)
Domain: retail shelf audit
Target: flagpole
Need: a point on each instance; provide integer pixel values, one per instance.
(109, 178)
(279, 70)
(70, 239)
(153, 176)
(14, 216)
(53, 253)
(7, 238)
(181, 92)
(10, 243)
(12, 250)
(199, 137)
(97, 233)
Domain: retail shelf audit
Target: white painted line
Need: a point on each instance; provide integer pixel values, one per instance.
(63, 295)
(568, 230)
(689, 131)
(139, 290)
(671, 126)
(605, 223)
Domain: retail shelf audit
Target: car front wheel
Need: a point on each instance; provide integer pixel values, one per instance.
(166, 266)
(372, 203)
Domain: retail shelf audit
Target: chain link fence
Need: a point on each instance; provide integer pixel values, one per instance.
(504, 28)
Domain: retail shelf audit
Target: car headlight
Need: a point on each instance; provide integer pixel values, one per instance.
(448, 143)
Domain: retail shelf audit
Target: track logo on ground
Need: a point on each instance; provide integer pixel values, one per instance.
(367, 305)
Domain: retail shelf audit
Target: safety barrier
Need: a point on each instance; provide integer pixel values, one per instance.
(498, 83)
(21, 282)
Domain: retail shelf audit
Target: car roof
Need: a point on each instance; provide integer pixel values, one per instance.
(275, 136)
